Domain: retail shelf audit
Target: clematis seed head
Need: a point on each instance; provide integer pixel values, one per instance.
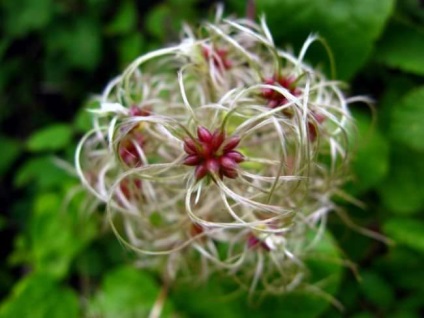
(213, 154)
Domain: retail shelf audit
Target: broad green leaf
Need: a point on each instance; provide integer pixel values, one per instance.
(370, 154)
(323, 262)
(350, 27)
(155, 22)
(164, 20)
(54, 137)
(41, 172)
(401, 259)
(58, 233)
(402, 47)
(402, 189)
(78, 44)
(206, 299)
(130, 47)
(83, 120)
(414, 302)
(406, 231)
(402, 313)
(213, 299)
(376, 289)
(23, 16)
(9, 150)
(395, 89)
(125, 19)
(39, 296)
(407, 120)
(126, 292)
(4, 45)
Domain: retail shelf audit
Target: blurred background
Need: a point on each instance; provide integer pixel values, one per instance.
(54, 55)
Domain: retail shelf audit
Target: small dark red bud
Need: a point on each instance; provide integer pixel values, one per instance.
(230, 173)
(212, 165)
(204, 134)
(254, 242)
(319, 118)
(196, 229)
(228, 163)
(231, 143)
(235, 155)
(192, 160)
(200, 171)
(137, 111)
(217, 139)
(190, 146)
(206, 150)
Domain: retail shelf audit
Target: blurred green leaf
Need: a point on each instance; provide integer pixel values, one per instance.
(39, 296)
(371, 157)
(4, 44)
(164, 20)
(54, 137)
(156, 21)
(23, 16)
(406, 231)
(394, 91)
(214, 298)
(401, 259)
(57, 234)
(130, 47)
(125, 19)
(403, 188)
(413, 302)
(402, 47)
(41, 172)
(350, 27)
(9, 149)
(83, 120)
(78, 44)
(126, 292)
(407, 120)
(402, 313)
(377, 290)
(363, 315)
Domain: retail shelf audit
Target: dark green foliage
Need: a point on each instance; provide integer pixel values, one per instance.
(58, 262)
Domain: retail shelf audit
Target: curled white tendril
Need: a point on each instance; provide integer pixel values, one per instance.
(251, 217)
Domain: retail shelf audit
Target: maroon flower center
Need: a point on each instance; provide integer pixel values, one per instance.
(129, 148)
(275, 98)
(312, 128)
(131, 144)
(219, 57)
(129, 186)
(213, 154)
(253, 242)
(140, 111)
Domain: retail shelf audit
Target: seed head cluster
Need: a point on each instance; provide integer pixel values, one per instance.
(212, 154)
(222, 153)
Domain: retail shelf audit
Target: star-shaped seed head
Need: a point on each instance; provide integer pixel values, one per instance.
(275, 98)
(219, 57)
(128, 148)
(213, 154)
(253, 242)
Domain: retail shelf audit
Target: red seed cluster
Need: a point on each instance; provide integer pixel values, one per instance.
(128, 148)
(129, 186)
(275, 98)
(143, 111)
(253, 242)
(313, 133)
(213, 154)
(219, 57)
